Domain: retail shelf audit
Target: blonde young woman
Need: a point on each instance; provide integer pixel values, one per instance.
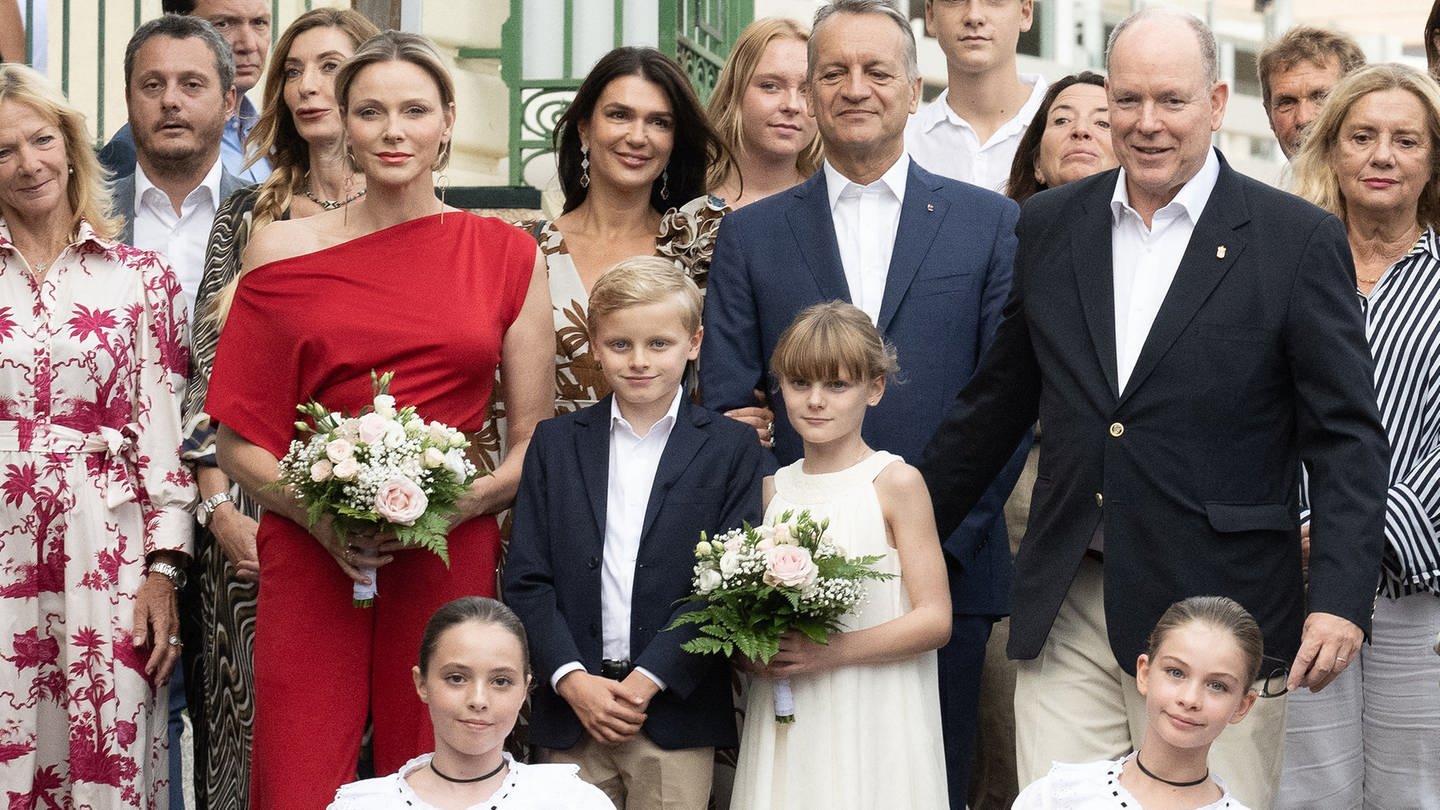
(299, 131)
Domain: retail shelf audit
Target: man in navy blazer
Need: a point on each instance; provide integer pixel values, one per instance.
(708, 478)
(1177, 414)
(928, 258)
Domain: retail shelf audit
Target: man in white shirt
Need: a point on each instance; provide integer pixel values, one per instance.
(245, 25)
(971, 131)
(1186, 335)
(179, 91)
(928, 258)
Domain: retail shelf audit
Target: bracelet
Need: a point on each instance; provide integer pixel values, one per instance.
(174, 573)
(207, 509)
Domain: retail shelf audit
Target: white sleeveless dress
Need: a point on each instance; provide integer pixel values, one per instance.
(864, 737)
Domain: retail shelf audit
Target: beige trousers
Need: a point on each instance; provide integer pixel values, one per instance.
(1073, 703)
(640, 775)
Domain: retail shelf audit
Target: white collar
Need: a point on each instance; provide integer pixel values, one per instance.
(665, 422)
(1191, 197)
(893, 179)
(938, 111)
(211, 183)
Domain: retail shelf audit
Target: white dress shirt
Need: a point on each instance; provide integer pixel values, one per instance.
(182, 237)
(634, 462)
(1145, 260)
(944, 143)
(866, 219)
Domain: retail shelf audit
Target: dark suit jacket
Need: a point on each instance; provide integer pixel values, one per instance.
(122, 191)
(1256, 362)
(708, 479)
(948, 278)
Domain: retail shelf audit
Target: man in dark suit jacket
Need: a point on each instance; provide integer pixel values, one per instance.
(929, 260)
(1177, 414)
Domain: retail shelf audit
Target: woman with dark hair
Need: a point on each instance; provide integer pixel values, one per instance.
(1068, 139)
(633, 143)
(1432, 40)
(395, 281)
(299, 131)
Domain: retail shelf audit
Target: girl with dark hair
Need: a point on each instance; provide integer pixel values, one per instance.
(473, 675)
(633, 144)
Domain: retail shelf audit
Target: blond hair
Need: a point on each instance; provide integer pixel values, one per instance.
(640, 281)
(1315, 177)
(728, 97)
(86, 188)
(831, 341)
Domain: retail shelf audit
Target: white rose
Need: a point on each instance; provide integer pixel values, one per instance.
(321, 470)
(439, 434)
(765, 544)
(394, 434)
(349, 430)
(347, 469)
(702, 550)
(455, 463)
(432, 458)
(337, 450)
(385, 405)
(709, 580)
(782, 535)
(371, 427)
(730, 562)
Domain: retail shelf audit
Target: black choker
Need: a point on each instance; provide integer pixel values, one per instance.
(1143, 770)
(498, 769)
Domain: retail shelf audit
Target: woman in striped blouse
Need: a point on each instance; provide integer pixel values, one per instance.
(1373, 737)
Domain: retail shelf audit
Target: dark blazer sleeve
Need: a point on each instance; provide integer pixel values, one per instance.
(731, 357)
(742, 474)
(1341, 439)
(529, 569)
(992, 412)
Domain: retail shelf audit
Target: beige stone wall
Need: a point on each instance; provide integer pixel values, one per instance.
(482, 102)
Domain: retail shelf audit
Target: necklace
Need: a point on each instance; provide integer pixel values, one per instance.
(331, 205)
(1150, 774)
(1411, 244)
(483, 777)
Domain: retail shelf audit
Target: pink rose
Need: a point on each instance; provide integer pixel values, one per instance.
(346, 470)
(337, 450)
(372, 427)
(790, 567)
(401, 501)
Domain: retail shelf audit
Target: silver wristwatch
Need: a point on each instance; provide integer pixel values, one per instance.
(207, 509)
(175, 574)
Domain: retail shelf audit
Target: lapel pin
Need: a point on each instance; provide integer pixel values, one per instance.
(930, 207)
(1220, 252)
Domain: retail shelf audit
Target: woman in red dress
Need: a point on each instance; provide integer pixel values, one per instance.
(394, 282)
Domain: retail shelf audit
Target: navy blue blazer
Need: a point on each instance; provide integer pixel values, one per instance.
(708, 479)
(1256, 362)
(947, 282)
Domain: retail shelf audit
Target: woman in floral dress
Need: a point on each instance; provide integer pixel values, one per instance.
(94, 501)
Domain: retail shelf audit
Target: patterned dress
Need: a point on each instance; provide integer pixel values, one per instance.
(224, 670)
(92, 362)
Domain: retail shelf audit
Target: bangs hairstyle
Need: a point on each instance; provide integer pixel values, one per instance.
(696, 146)
(830, 341)
(274, 135)
(1314, 164)
(728, 97)
(399, 46)
(86, 189)
(472, 609)
(1221, 613)
(640, 281)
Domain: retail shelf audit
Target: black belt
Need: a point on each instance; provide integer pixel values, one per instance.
(615, 670)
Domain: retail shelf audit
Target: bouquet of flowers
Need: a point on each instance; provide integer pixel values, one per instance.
(759, 583)
(380, 469)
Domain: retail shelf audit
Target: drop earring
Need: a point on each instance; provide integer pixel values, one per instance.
(584, 166)
(665, 184)
(444, 184)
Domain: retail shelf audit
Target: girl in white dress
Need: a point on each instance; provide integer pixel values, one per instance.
(1204, 654)
(867, 714)
(474, 675)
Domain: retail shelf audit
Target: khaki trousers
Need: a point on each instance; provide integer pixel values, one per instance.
(640, 775)
(1073, 703)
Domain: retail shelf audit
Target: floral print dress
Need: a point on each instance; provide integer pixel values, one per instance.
(93, 360)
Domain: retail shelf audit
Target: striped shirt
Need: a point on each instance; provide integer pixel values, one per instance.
(1402, 324)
